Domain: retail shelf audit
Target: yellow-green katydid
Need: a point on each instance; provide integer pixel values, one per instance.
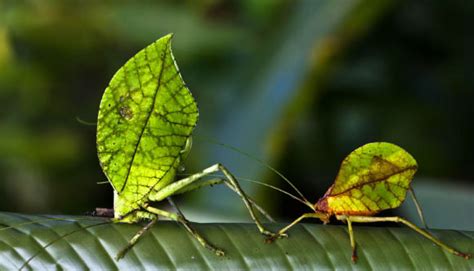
(145, 121)
(372, 178)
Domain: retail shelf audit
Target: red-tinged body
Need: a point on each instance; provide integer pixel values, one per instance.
(322, 206)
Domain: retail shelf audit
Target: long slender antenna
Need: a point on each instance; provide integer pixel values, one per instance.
(307, 203)
(87, 123)
(263, 164)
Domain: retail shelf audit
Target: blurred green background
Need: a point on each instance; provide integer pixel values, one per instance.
(298, 84)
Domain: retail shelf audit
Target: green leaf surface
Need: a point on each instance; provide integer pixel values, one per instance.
(168, 246)
(145, 118)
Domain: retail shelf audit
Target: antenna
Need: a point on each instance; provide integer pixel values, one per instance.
(84, 122)
(213, 141)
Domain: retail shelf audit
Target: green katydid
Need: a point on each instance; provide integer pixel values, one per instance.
(145, 121)
(372, 178)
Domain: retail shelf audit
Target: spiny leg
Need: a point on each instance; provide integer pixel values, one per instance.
(245, 199)
(282, 232)
(254, 204)
(187, 226)
(172, 188)
(217, 181)
(368, 219)
(352, 239)
(351, 236)
(135, 239)
(186, 223)
(175, 206)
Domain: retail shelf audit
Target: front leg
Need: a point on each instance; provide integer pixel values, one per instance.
(135, 239)
(282, 232)
(216, 181)
(181, 185)
(181, 219)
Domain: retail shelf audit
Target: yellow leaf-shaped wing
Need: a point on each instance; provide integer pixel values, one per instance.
(372, 178)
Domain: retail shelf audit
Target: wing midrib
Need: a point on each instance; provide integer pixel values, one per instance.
(146, 121)
(374, 181)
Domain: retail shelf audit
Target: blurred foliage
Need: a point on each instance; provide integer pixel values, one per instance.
(297, 83)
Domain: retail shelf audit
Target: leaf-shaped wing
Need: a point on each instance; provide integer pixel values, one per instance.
(145, 117)
(372, 178)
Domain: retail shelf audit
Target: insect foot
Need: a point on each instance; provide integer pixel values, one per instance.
(466, 256)
(219, 253)
(354, 256)
(275, 236)
(121, 254)
(268, 233)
